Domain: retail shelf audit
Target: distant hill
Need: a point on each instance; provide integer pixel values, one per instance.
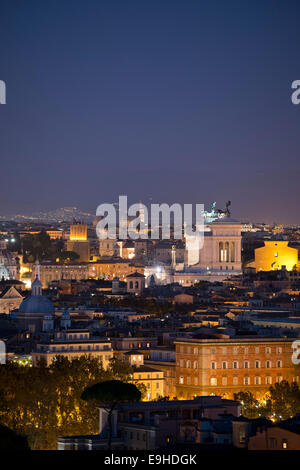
(64, 214)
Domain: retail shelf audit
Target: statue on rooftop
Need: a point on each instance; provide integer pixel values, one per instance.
(224, 213)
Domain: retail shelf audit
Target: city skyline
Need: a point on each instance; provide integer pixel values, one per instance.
(180, 103)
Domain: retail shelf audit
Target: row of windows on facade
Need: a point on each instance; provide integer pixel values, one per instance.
(72, 358)
(225, 365)
(79, 348)
(149, 376)
(235, 380)
(227, 252)
(149, 385)
(138, 436)
(235, 350)
(78, 336)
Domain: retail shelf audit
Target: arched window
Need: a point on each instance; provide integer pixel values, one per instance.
(226, 252)
(221, 252)
(232, 252)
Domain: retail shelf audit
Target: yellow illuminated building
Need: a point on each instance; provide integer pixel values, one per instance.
(78, 231)
(274, 256)
(78, 241)
(152, 379)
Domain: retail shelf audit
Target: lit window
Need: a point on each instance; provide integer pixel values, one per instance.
(284, 444)
(213, 381)
(235, 380)
(181, 380)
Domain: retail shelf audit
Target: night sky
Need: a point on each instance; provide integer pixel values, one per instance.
(181, 101)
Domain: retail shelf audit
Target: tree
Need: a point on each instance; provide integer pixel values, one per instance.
(250, 406)
(37, 246)
(109, 394)
(44, 403)
(120, 370)
(67, 256)
(285, 400)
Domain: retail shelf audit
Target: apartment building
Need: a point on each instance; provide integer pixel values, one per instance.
(164, 359)
(73, 344)
(155, 424)
(152, 378)
(226, 366)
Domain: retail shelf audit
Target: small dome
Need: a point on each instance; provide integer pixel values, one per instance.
(36, 304)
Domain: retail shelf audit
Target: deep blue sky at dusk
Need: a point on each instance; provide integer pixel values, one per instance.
(182, 101)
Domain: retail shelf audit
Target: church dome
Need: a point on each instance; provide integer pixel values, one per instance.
(36, 304)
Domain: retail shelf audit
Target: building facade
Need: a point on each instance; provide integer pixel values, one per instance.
(218, 258)
(49, 272)
(73, 344)
(227, 366)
